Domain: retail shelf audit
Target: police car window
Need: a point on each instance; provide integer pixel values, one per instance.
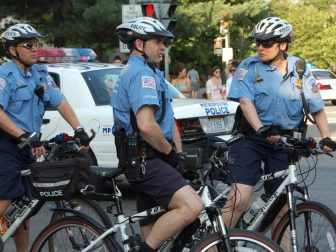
(56, 78)
(57, 81)
(100, 83)
(320, 75)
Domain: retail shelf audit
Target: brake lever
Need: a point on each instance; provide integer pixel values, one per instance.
(93, 135)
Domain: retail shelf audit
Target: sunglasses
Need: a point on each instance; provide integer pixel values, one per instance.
(30, 45)
(265, 43)
(217, 71)
(232, 70)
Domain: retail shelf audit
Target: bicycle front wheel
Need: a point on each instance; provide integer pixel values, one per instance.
(315, 228)
(72, 233)
(240, 241)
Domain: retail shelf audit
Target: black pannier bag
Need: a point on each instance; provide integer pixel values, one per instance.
(55, 180)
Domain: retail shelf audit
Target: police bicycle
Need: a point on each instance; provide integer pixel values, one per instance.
(23, 208)
(307, 225)
(80, 232)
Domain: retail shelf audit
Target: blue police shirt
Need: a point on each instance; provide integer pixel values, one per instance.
(18, 98)
(276, 98)
(140, 85)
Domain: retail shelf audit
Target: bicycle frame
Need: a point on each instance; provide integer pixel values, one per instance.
(290, 184)
(123, 221)
(24, 213)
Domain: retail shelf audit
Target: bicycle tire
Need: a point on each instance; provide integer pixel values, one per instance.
(86, 206)
(323, 224)
(56, 236)
(240, 240)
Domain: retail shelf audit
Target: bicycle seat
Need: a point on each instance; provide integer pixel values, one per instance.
(106, 172)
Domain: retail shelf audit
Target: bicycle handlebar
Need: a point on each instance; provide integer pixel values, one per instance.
(223, 145)
(305, 146)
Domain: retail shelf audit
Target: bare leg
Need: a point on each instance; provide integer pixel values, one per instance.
(21, 237)
(145, 230)
(185, 207)
(238, 201)
(3, 207)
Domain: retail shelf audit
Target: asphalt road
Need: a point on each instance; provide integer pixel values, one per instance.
(322, 189)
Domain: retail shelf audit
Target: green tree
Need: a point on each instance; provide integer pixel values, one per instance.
(314, 26)
(84, 23)
(198, 26)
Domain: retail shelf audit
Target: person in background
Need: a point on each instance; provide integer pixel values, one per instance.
(117, 60)
(182, 82)
(232, 69)
(214, 87)
(142, 109)
(268, 88)
(195, 81)
(25, 87)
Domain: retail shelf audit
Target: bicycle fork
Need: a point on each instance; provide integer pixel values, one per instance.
(292, 217)
(218, 223)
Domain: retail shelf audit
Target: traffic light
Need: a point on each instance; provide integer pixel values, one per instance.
(166, 12)
(224, 27)
(149, 10)
(161, 11)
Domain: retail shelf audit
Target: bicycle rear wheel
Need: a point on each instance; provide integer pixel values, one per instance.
(86, 206)
(240, 241)
(315, 228)
(72, 233)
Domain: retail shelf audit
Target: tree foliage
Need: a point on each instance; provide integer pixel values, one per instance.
(92, 23)
(198, 26)
(314, 25)
(85, 23)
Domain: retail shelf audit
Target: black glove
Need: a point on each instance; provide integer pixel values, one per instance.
(267, 132)
(34, 142)
(82, 136)
(181, 162)
(171, 158)
(327, 142)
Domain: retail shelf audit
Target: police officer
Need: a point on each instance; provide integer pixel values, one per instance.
(141, 94)
(24, 90)
(268, 89)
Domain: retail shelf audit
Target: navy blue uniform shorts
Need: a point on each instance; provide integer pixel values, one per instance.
(248, 156)
(12, 161)
(158, 186)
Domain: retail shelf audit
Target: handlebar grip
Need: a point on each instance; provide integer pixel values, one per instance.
(26, 142)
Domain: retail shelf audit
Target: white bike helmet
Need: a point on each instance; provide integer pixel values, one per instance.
(142, 28)
(17, 33)
(273, 28)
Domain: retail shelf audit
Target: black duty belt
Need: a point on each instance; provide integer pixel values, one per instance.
(150, 151)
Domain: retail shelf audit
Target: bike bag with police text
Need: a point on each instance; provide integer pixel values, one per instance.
(54, 180)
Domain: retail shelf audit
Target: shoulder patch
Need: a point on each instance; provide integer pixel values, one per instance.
(148, 82)
(2, 84)
(312, 86)
(241, 73)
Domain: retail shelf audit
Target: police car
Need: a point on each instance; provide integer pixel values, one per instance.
(326, 83)
(88, 88)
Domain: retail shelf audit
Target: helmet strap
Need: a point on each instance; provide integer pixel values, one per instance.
(17, 57)
(276, 57)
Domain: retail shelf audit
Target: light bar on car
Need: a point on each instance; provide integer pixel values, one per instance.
(65, 55)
